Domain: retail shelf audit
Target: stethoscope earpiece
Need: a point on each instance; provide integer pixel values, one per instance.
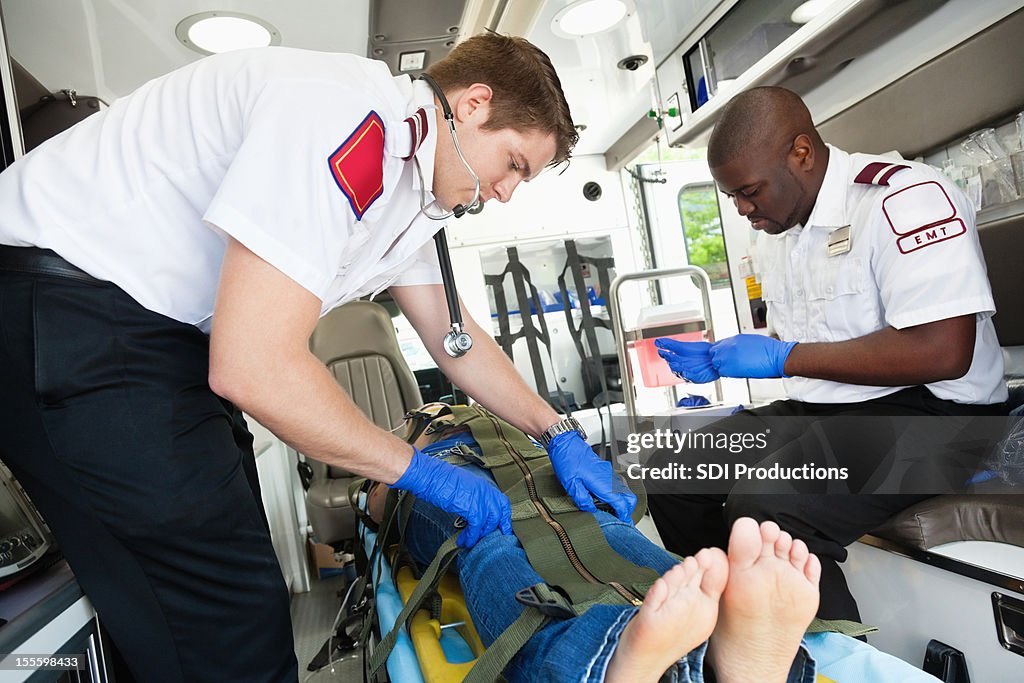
(459, 210)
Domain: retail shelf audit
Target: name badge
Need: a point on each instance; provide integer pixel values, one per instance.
(839, 241)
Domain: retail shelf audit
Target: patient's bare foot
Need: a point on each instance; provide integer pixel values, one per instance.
(678, 614)
(770, 599)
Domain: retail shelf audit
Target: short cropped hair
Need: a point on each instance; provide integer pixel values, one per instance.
(757, 117)
(527, 92)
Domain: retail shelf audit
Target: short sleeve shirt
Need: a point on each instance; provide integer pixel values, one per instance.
(300, 156)
(913, 257)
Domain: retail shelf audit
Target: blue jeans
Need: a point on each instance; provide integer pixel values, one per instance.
(577, 649)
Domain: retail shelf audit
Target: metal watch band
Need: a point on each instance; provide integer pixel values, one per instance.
(566, 424)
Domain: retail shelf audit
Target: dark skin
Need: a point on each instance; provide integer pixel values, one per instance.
(775, 186)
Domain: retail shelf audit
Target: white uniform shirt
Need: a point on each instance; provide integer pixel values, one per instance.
(238, 144)
(914, 258)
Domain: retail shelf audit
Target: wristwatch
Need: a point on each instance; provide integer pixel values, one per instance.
(566, 424)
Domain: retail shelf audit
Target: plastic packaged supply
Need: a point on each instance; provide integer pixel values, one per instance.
(983, 146)
(997, 182)
(1017, 161)
(972, 186)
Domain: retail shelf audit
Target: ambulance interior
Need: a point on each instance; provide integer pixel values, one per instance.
(630, 241)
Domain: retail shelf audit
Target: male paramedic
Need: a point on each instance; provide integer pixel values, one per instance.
(878, 304)
(162, 268)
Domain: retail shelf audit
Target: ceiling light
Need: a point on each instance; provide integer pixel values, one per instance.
(808, 10)
(212, 32)
(587, 17)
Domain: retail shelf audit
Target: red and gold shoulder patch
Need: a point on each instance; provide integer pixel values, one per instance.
(358, 164)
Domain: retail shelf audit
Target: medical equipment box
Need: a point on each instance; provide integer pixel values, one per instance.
(682, 322)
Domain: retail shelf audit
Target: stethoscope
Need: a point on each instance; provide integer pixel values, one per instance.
(457, 342)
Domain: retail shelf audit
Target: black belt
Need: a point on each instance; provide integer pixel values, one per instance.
(41, 262)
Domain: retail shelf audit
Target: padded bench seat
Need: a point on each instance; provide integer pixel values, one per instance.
(949, 518)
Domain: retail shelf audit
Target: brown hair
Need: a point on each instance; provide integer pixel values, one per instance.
(527, 93)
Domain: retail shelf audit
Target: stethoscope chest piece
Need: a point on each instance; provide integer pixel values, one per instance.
(457, 343)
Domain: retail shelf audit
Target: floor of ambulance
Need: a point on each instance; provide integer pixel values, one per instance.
(314, 612)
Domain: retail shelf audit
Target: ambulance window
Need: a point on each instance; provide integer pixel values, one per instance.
(413, 350)
(434, 385)
(702, 231)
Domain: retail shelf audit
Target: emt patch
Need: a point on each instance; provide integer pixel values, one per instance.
(921, 215)
(358, 164)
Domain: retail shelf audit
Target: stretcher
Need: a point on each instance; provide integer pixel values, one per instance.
(439, 644)
(431, 650)
(443, 650)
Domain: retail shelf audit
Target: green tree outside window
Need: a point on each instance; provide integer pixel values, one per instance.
(702, 231)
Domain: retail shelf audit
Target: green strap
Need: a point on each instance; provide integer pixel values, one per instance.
(427, 583)
(404, 513)
(853, 629)
(354, 489)
(540, 540)
(376, 554)
(496, 657)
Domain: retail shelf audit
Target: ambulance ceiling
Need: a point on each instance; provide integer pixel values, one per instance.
(109, 47)
(607, 99)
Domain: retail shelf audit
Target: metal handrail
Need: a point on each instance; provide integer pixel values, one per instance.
(625, 369)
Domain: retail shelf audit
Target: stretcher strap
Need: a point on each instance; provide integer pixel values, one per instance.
(495, 658)
(541, 541)
(504, 338)
(853, 629)
(588, 322)
(358, 486)
(530, 333)
(427, 583)
(392, 505)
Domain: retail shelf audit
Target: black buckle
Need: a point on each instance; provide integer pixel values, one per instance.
(547, 600)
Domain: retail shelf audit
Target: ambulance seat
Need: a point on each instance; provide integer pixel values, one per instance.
(996, 512)
(358, 344)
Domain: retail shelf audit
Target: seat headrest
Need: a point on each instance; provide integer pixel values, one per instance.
(359, 328)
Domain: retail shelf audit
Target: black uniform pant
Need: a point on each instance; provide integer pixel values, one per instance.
(804, 433)
(147, 479)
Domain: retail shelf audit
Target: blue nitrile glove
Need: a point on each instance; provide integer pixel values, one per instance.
(477, 501)
(689, 360)
(752, 356)
(582, 473)
(692, 401)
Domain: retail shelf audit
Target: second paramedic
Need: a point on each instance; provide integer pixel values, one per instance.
(879, 305)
